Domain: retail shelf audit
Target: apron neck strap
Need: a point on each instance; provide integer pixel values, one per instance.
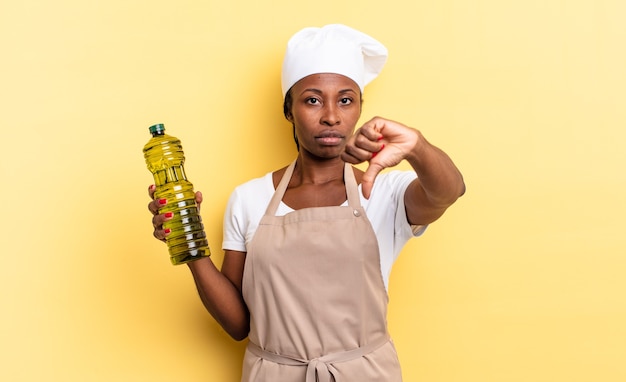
(352, 189)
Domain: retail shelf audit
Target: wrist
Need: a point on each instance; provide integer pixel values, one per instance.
(200, 262)
(418, 152)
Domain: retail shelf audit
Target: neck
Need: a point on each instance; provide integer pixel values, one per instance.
(318, 172)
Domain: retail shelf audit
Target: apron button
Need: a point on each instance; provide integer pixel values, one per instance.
(356, 213)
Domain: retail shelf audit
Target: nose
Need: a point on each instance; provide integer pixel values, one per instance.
(330, 115)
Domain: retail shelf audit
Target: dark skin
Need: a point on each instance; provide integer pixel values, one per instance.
(324, 112)
(324, 118)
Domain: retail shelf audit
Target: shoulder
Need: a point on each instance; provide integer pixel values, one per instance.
(393, 181)
(266, 182)
(254, 188)
(388, 191)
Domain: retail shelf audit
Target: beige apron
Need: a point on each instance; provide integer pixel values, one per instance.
(317, 301)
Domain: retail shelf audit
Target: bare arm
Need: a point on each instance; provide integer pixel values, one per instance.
(438, 186)
(220, 291)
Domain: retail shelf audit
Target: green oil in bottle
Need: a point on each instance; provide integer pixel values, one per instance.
(165, 159)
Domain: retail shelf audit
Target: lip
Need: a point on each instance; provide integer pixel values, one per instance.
(330, 138)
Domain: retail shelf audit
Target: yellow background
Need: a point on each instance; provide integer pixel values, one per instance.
(522, 280)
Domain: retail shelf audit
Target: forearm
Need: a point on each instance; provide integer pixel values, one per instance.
(221, 297)
(439, 178)
(438, 186)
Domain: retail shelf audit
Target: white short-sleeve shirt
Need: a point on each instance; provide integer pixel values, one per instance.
(385, 210)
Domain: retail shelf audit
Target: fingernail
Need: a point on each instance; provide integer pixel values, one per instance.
(380, 138)
(376, 153)
(169, 214)
(167, 231)
(162, 201)
(152, 187)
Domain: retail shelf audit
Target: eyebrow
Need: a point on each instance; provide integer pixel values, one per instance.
(318, 91)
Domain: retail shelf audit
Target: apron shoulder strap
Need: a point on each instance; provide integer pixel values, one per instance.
(280, 190)
(352, 189)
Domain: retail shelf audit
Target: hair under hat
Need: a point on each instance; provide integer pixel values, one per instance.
(333, 48)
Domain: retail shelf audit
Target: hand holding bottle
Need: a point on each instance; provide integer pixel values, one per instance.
(159, 219)
(173, 196)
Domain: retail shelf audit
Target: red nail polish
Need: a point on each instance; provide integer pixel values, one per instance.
(162, 201)
(381, 149)
(167, 231)
(169, 214)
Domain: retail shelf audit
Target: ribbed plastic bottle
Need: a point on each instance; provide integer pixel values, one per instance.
(165, 159)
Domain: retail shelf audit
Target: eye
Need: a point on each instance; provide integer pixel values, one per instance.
(345, 101)
(312, 101)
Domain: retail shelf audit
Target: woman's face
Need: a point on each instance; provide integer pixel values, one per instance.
(324, 112)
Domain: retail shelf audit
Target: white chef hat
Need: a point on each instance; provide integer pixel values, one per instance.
(334, 48)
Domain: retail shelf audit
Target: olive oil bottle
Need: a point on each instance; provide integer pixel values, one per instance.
(165, 159)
